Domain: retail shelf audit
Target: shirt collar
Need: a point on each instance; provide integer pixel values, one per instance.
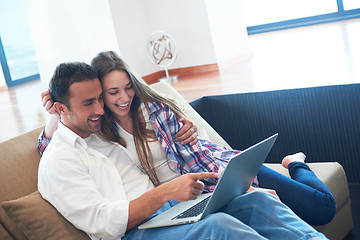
(154, 107)
(69, 136)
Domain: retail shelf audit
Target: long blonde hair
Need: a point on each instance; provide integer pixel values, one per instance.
(104, 63)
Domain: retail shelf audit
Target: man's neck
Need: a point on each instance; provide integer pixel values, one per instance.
(74, 130)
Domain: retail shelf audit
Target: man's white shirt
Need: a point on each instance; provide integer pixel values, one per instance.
(91, 182)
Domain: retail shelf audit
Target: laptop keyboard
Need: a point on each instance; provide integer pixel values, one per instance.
(194, 210)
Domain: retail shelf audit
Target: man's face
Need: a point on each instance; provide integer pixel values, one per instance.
(86, 107)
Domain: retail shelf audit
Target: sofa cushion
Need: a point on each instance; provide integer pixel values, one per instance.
(38, 219)
(4, 235)
(19, 160)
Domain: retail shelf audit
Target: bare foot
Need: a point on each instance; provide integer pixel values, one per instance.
(297, 157)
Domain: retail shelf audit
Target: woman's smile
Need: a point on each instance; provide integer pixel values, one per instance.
(123, 106)
(118, 93)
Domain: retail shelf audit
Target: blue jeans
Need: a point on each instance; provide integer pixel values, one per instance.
(255, 215)
(304, 193)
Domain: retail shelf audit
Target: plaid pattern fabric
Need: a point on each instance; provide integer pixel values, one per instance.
(43, 142)
(204, 156)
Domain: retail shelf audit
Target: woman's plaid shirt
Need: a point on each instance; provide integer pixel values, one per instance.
(204, 156)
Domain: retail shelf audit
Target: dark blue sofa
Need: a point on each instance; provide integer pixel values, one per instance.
(322, 122)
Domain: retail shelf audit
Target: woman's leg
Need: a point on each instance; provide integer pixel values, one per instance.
(305, 194)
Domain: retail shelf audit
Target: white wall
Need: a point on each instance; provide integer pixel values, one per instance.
(69, 30)
(132, 23)
(186, 21)
(228, 29)
(206, 31)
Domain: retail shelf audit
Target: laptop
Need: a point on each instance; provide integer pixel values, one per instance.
(234, 181)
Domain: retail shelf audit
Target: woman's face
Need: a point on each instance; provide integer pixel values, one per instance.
(118, 93)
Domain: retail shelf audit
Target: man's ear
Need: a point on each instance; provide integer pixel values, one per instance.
(60, 108)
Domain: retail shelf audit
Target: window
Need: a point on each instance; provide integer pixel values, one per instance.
(270, 15)
(351, 4)
(17, 54)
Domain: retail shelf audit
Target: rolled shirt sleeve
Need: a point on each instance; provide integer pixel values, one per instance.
(43, 142)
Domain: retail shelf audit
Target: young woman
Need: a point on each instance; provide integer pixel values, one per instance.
(146, 122)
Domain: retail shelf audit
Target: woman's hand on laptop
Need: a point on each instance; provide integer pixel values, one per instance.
(271, 191)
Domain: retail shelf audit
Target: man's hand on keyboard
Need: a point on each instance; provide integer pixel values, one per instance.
(187, 186)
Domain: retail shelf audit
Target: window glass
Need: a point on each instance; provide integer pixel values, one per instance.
(258, 12)
(351, 4)
(16, 39)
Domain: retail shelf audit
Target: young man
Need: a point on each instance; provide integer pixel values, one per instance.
(98, 187)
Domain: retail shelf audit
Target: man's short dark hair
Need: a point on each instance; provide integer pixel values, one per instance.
(66, 74)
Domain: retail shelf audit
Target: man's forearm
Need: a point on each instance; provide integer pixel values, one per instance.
(183, 188)
(143, 207)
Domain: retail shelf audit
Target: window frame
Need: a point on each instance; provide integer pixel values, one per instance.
(340, 15)
(8, 79)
